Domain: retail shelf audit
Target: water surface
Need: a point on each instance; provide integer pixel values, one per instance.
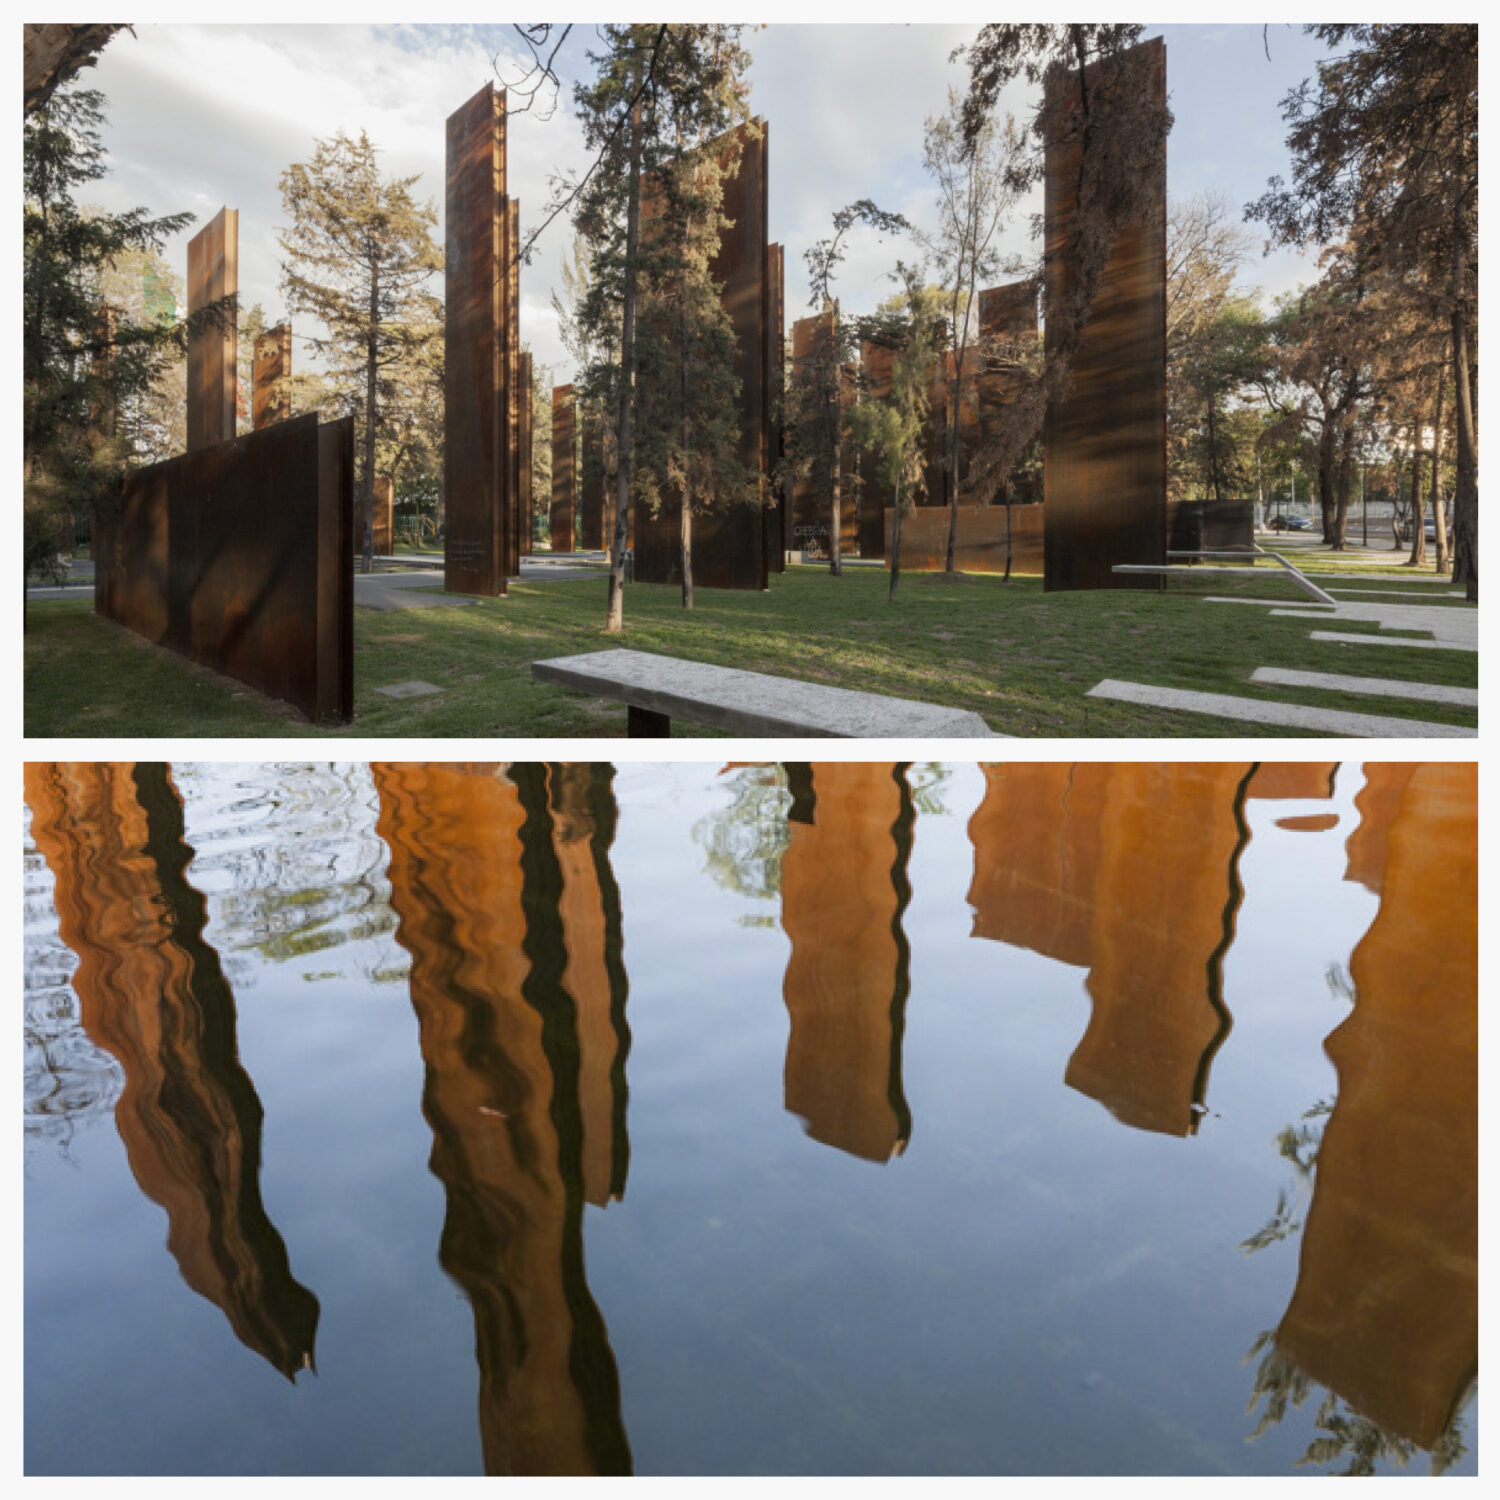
(1092, 1119)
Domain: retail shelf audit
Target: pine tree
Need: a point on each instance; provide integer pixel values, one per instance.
(80, 358)
(359, 255)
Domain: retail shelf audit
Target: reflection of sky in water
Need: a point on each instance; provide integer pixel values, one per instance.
(1032, 1286)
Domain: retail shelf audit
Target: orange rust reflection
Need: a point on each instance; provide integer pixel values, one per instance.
(151, 991)
(1131, 871)
(1285, 781)
(1386, 1305)
(1378, 801)
(520, 1014)
(843, 890)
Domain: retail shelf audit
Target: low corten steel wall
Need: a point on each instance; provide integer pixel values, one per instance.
(980, 544)
(241, 557)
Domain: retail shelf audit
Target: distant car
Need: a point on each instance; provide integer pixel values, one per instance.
(1278, 523)
(1290, 523)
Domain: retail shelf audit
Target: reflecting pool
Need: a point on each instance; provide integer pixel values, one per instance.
(1106, 1118)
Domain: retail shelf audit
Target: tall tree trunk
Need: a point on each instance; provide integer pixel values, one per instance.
(1341, 500)
(1435, 495)
(1466, 490)
(367, 562)
(1326, 477)
(896, 542)
(614, 621)
(1418, 535)
(1213, 450)
(687, 549)
(836, 526)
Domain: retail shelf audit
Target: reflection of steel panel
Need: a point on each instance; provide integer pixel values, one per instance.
(511, 918)
(271, 400)
(980, 545)
(213, 273)
(729, 547)
(1385, 1313)
(385, 515)
(1279, 780)
(1132, 872)
(240, 556)
(475, 411)
(152, 992)
(564, 469)
(526, 520)
(1105, 445)
(844, 889)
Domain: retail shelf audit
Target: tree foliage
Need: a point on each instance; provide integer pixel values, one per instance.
(82, 360)
(359, 257)
(1385, 156)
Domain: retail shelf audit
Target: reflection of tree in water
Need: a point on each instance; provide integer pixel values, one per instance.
(1347, 1437)
(291, 864)
(744, 839)
(69, 1082)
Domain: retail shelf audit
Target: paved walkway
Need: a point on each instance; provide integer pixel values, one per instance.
(1285, 715)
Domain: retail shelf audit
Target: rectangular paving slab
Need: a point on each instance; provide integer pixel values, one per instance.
(1350, 638)
(413, 689)
(754, 703)
(1286, 715)
(1383, 687)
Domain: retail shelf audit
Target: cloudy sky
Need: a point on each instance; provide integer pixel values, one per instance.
(203, 116)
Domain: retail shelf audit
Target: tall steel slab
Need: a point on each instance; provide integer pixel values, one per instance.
(213, 273)
(271, 377)
(476, 427)
(241, 557)
(564, 469)
(1105, 445)
(729, 545)
(774, 518)
(514, 525)
(525, 517)
(385, 515)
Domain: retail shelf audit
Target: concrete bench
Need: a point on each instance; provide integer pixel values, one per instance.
(1302, 581)
(658, 689)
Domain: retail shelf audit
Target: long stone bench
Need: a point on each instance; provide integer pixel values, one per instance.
(658, 689)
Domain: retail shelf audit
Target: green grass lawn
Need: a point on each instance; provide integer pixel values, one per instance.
(1021, 659)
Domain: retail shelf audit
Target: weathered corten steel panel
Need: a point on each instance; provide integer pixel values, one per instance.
(271, 400)
(385, 515)
(241, 557)
(812, 500)
(514, 524)
(729, 546)
(475, 422)
(526, 520)
(564, 469)
(213, 273)
(1007, 314)
(774, 520)
(1105, 446)
(589, 532)
(980, 544)
(876, 499)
